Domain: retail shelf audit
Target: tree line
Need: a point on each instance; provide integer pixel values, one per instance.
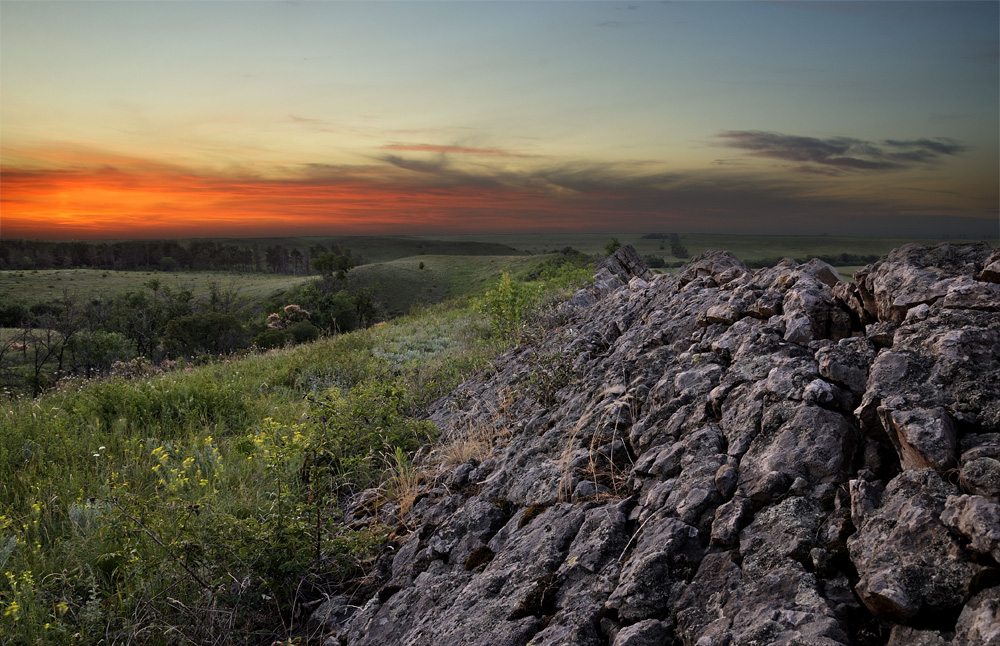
(173, 255)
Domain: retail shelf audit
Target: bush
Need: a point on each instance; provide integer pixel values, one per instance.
(507, 305)
(272, 338)
(211, 333)
(303, 332)
(91, 352)
(13, 315)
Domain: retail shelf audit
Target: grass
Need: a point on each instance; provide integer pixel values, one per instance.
(745, 247)
(45, 285)
(402, 284)
(201, 506)
(116, 496)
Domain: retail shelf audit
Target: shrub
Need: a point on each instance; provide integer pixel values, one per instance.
(13, 315)
(271, 338)
(507, 305)
(303, 332)
(211, 333)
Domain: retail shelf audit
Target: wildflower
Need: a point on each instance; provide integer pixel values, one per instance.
(12, 610)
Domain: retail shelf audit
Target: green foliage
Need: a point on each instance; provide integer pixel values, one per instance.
(507, 305)
(200, 506)
(612, 247)
(270, 339)
(96, 352)
(361, 427)
(550, 372)
(302, 332)
(654, 262)
(208, 333)
(568, 269)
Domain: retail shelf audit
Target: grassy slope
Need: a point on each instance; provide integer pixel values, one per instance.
(89, 475)
(116, 495)
(401, 284)
(47, 285)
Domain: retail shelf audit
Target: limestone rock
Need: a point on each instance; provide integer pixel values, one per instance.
(726, 452)
(914, 275)
(924, 438)
(721, 266)
(979, 623)
(976, 518)
(908, 561)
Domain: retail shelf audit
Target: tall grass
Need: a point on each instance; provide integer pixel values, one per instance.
(201, 506)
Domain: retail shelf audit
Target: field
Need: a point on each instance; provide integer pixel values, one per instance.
(745, 247)
(44, 285)
(401, 284)
(200, 505)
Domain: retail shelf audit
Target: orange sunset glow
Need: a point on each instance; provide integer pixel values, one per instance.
(137, 199)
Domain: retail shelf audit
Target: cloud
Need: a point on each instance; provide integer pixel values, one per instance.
(297, 119)
(836, 155)
(446, 150)
(70, 194)
(416, 165)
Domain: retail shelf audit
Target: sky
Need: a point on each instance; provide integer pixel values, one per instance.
(176, 119)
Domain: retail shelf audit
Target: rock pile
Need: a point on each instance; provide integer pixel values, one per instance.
(721, 457)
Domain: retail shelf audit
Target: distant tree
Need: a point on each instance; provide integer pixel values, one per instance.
(13, 315)
(329, 263)
(676, 248)
(323, 263)
(364, 306)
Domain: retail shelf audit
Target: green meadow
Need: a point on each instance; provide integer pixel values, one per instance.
(406, 282)
(748, 248)
(44, 285)
(200, 504)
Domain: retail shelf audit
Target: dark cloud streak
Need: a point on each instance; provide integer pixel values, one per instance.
(836, 155)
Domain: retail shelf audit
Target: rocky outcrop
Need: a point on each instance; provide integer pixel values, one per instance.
(721, 457)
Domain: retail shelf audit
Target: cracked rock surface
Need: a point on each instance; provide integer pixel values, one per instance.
(718, 458)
